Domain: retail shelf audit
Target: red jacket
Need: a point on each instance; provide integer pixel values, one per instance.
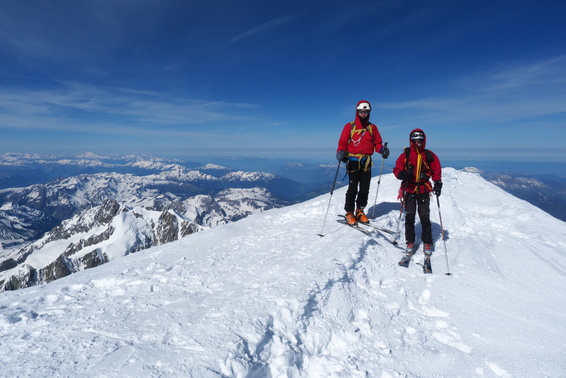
(422, 169)
(362, 141)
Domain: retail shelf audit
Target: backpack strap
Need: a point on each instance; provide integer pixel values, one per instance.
(353, 128)
(428, 153)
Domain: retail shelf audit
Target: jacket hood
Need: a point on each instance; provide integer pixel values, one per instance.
(424, 141)
(358, 120)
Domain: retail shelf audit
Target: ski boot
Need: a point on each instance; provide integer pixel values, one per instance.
(351, 219)
(361, 216)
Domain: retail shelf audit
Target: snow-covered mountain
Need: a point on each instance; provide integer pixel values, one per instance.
(117, 228)
(266, 296)
(22, 170)
(50, 230)
(90, 239)
(64, 197)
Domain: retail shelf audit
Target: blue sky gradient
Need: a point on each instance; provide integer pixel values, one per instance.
(486, 80)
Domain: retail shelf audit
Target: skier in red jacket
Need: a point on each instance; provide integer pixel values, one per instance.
(416, 166)
(358, 140)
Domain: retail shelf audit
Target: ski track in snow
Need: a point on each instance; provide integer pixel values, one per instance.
(266, 296)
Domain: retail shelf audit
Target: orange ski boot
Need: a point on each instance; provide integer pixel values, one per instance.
(351, 219)
(362, 218)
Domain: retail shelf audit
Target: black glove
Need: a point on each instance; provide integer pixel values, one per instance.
(405, 176)
(385, 152)
(342, 156)
(437, 188)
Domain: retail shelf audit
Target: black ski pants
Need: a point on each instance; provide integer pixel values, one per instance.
(418, 203)
(358, 187)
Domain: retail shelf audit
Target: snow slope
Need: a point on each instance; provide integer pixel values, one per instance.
(266, 296)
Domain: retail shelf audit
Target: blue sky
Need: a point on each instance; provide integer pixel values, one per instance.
(486, 80)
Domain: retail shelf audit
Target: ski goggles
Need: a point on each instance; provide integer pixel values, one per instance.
(417, 136)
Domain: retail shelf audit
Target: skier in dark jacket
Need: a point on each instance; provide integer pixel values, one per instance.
(416, 168)
(358, 140)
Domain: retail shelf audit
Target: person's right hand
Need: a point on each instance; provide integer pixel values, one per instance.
(341, 156)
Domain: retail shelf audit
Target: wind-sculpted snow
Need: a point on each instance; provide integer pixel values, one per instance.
(266, 296)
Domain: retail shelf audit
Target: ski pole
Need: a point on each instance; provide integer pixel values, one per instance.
(378, 183)
(330, 199)
(398, 231)
(443, 239)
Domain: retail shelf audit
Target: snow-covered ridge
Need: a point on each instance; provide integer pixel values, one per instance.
(213, 166)
(267, 296)
(248, 176)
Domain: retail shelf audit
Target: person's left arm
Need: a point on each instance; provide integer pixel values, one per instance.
(435, 168)
(378, 143)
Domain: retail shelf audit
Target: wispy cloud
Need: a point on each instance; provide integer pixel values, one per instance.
(512, 93)
(83, 108)
(264, 27)
(524, 75)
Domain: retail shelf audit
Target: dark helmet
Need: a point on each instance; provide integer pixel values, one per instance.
(417, 135)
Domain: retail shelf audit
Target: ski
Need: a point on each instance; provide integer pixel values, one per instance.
(382, 229)
(404, 262)
(356, 226)
(427, 268)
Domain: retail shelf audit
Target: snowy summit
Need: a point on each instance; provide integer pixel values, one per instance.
(267, 297)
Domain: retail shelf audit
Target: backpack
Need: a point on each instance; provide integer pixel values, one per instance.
(428, 160)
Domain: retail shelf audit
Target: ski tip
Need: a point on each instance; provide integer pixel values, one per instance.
(321, 235)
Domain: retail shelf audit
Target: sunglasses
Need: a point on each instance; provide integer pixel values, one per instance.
(363, 111)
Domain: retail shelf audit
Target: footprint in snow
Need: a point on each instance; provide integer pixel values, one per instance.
(425, 297)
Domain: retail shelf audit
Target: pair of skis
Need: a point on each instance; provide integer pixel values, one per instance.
(369, 229)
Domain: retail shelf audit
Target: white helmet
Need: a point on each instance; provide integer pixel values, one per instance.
(363, 106)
